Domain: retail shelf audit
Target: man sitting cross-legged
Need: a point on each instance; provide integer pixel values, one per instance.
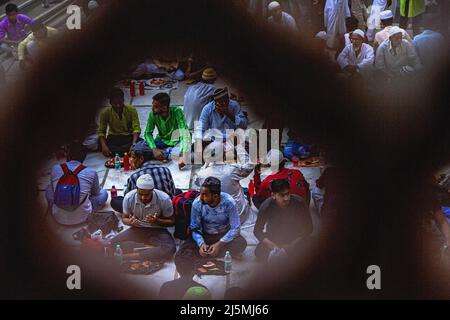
(173, 138)
(215, 224)
(122, 123)
(284, 222)
(162, 178)
(149, 212)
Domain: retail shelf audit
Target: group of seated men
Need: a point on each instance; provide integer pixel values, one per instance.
(389, 54)
(392, 55)
(23, 37)
(147, 207)
(215, 216)
(119, 127)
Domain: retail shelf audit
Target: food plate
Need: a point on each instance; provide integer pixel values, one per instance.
(110, 163)
(157, 82)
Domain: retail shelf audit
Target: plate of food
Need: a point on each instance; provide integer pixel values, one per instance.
(157, 82)
(111, 163)
(142, 267)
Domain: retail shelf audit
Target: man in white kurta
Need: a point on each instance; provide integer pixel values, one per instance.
(358, 57)
(334, 14)
(396, 55)
(373, 22)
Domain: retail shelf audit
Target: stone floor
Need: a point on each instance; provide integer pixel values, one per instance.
(183, 180)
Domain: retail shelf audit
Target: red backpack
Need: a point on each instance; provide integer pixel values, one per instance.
(67, 191)
(182, 205)
(297, 181)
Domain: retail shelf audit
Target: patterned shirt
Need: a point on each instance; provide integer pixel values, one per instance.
(127, 125)
(161, 177)
(222, 218)
(167, 129)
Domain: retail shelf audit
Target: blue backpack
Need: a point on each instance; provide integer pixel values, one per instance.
(67, 191)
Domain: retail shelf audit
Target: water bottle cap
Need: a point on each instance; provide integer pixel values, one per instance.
(118, 246)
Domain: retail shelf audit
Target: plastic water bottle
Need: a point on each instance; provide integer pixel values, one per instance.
(228, 262)
(113, 192)
(117, 161)
(118, 254)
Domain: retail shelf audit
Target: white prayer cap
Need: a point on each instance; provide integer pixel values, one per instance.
(394, 30)
(322, 35)
(273, 5)
(92, 5)
(386, 14)
(358, 32)
(145, 182)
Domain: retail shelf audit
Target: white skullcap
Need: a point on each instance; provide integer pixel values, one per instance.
(394, 30)
(92, 5)
(386, 14)
(358, 32)
(322, 35)
(145, 182)
(273, 5)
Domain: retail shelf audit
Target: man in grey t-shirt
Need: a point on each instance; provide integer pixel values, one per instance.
(148, 212)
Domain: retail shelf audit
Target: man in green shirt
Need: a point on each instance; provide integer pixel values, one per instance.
(123, 126)
(173, 137)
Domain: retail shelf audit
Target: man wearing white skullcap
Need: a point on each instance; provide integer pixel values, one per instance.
(387, 19)
(357, 57)
(279, 18)
(373, 21)
(148, 212)
(395, 53)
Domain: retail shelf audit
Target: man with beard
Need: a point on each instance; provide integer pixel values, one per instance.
(215, 224)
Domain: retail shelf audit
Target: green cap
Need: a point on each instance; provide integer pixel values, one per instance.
(197, 293)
